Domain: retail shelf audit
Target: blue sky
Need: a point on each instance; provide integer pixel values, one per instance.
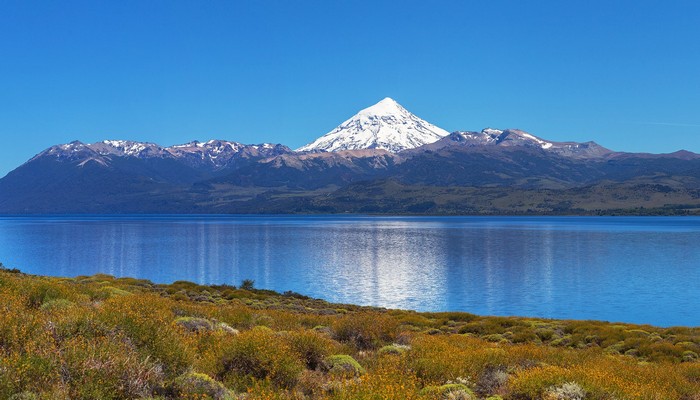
(623, 73)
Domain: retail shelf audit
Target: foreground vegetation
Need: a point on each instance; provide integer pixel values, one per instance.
(100, 337)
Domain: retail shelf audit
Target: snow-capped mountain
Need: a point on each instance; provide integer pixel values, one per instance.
(220, 153)
(73, 151)
(517, 138)
(214, 154)
(385, 125)
(384, 159)
(128, 148)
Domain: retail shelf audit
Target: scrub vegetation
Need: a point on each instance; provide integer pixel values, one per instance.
(101, 337)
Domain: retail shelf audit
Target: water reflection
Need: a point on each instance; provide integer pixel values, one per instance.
(623, 269)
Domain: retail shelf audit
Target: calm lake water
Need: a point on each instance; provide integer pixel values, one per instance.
(632, 269)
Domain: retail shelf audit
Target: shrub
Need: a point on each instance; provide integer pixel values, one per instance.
(486, 326)
(394, 349)
(386, 378)
(495, 337)
(314, 383)
(460, 395)
(263, 320)
(248, 284)
(24, 396)
(42, 292)
(259, 355)
(491, 380)
(404, 338)
(76, 321)
(563, 341)
(192, 324)
(109, 291)
(365, 331)
(57, 305)
(436, 358)
(324, 330)
(21, 372)
(262, 329)
(544, 333)
(342, 365)
(689, 355)
(311, 347)
(199, 386)
(456, 391)
(565, 391)
(524, 336)
(224, 327)
(454, 316)
(147, 321)
(108, 367)
(3, 268)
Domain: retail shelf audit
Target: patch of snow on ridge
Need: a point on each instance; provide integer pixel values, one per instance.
(490, 131)
(126, 147)
(545, 145)
(194, 143)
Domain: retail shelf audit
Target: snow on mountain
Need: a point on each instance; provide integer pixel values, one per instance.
(385, 125)
(125, 148)
(219, 153)
(518, 138)
(508, 137)
(213, 153)
(72, 151)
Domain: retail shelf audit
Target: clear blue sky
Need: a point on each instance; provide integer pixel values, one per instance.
(623, 73)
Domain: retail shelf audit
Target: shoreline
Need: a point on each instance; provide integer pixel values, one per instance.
(272, 292)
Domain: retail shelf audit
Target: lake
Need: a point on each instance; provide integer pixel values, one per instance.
(631, 269)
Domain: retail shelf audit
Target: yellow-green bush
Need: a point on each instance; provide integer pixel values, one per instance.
(259, 354)
(108, 367)
(342, 365)
(449, 391)
(192, 385)
(365, 331)
(147, 320)
(311, 347)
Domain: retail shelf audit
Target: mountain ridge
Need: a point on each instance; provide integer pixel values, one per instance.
(490, 171)
(217, 153)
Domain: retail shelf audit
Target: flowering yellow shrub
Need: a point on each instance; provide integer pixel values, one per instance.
(102, 337)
